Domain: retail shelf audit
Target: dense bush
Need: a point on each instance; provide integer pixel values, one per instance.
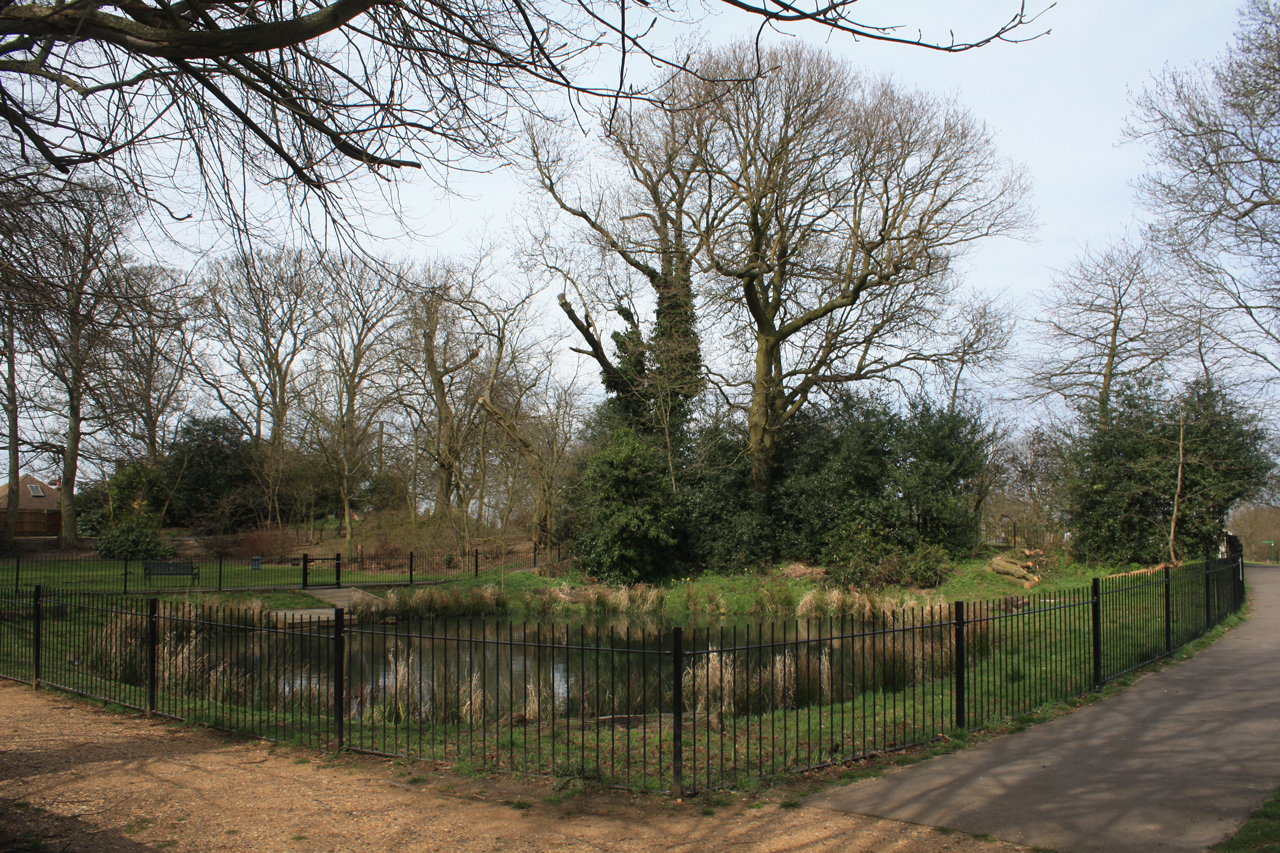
(628, 526)
(729, 529)
(868, 561)
(855, 484)
(880, 494)
(1198, 446)
(93, 508)
(133, 539)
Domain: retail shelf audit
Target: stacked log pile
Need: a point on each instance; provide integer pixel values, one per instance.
(1020, 568)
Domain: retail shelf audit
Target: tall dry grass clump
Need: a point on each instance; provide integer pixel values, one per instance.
(775, 683)
(184, 669)
(722, 682)
(118, 650)
(401, 695)
(641, 598)
(717, 683)
(599, 599)
(472, 700)
(432, 602)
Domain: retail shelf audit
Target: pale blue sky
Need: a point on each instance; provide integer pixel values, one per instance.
(1058, 103)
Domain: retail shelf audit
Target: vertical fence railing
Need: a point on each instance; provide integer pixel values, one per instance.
(960, 665)
(220, 572)
(683, 710)
(677, 711)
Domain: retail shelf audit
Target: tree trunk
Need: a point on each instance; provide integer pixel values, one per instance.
(70, 465)
(762, 432)
(11, 416)
(1177, 492)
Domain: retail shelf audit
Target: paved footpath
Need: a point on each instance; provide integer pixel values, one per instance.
(1174, 763)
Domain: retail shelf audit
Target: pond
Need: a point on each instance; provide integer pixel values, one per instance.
(461, 669)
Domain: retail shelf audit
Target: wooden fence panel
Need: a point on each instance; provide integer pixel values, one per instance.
(39, 522)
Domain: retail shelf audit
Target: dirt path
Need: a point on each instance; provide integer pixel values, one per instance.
(79, 778)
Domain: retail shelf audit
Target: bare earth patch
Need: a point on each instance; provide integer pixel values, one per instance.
(76, 777)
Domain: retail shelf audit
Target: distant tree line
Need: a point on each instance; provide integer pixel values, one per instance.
(765, 276)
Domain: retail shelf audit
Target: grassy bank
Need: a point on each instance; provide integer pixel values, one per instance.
(769, 593)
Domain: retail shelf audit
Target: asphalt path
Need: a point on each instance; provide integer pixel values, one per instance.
(1174, 763)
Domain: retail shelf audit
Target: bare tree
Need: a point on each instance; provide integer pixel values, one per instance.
(442, 360)
(537, 411)
(835, 209)
(646, 225)
(986, 334)
(1105, 320)
(146, 384)
(306, 96)
(1216, 164)
(823, 211)
(78, 294)
(8, 327)
(1032, 464)
(258, 320)
(18, 200)
(349, 390)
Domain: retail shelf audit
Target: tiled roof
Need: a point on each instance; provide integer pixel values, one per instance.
(42, 496)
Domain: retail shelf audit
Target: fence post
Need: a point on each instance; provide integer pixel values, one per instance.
(410, 568)
(1208, 600)
(962, 719)
(36, 635)
(304, 571)
(337, 570)
(153, 640)
(1097, 633)
(125, 575)
(17, 572)
(339, 676)
(476, 554)
(677, 711)
(219, 573)
(1168, 613)
(1239, 581)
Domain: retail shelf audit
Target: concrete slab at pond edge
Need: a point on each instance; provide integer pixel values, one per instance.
(344, 598)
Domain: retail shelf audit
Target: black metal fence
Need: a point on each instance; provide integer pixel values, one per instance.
(626, 705)
(18, 571)
(1010, 533)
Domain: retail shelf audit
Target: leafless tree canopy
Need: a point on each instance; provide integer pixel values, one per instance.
(821, 211)
(1102, 323)
(1215, 132)
(218, 96)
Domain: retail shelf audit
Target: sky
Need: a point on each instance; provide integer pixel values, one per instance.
(1058, 103)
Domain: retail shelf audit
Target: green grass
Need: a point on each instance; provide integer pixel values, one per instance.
(972, 581)
(137, 825)
(1260, 833)
(1019, 667)
(756, 593)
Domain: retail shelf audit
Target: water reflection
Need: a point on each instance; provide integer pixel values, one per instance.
(455, 671)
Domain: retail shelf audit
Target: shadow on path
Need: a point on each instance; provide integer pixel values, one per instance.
(1174, 763)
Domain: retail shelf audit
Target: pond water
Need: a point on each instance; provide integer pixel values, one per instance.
(450, 670)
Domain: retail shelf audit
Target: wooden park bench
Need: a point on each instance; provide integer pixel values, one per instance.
(170, 568)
